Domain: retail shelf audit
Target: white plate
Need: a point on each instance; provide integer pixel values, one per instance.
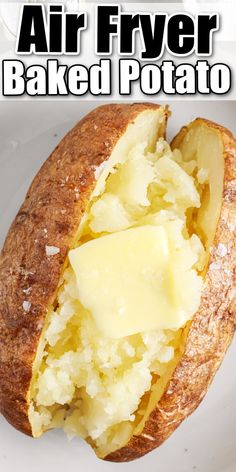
(206, 441)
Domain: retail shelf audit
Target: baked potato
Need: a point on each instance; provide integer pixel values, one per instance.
(117, 299)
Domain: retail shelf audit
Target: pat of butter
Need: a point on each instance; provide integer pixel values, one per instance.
(125, 281)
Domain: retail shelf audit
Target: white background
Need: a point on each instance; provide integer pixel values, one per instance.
(206, 442)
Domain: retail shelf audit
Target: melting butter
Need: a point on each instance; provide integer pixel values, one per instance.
(126, 281)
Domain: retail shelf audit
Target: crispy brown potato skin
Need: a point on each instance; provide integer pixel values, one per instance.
(211, 330)
(50, 215)
(51, 204)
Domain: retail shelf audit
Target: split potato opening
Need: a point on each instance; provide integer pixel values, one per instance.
(131, 285)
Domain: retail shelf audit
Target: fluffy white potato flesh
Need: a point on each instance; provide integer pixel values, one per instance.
(86, 379)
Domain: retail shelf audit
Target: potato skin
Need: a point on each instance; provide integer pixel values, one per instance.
(211, 330)
(52, 204)
(50, 215)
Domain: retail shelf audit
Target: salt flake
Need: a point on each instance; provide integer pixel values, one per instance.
(52, 250)
(26, 306)
(221, 250)
(148, 436)
(27, 290)
(214, 266)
